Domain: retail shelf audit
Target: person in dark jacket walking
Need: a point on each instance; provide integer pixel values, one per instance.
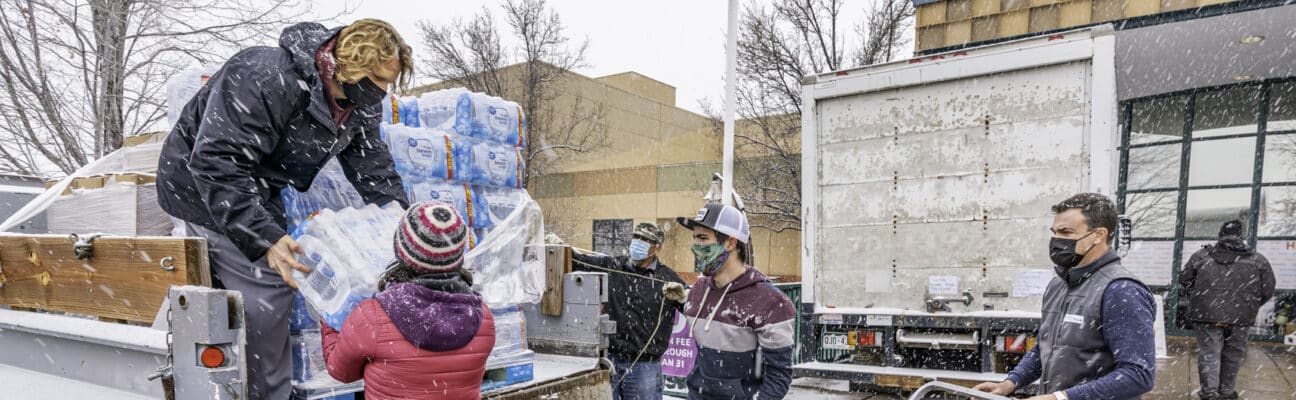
(644, 313)
(1225, 285)
(268, 119)
(1095, 336)
(741, 323)
(426, 335)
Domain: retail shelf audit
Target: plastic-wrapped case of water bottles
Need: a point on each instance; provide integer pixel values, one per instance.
(458, 136)
(464, 113)
(347, 251)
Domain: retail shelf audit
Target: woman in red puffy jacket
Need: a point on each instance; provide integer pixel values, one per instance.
(426, 335)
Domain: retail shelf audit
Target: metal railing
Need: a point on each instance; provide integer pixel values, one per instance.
(943, 390)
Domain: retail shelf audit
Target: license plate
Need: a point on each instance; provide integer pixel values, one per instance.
(835, 341)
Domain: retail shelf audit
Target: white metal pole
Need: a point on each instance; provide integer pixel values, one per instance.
(731, 85)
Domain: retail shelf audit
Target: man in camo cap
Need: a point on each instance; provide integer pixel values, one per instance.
(635, 297)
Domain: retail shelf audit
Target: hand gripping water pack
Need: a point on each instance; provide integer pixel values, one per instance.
(347, 251)
(329, 287)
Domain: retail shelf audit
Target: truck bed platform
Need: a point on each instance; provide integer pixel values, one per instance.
(853, 372)
(28, 384)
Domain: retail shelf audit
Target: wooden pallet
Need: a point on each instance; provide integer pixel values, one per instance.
(124, 279)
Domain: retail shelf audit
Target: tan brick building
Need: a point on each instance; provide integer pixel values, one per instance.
(950, 23)
(655, 166)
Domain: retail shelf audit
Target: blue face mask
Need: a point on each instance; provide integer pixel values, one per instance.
(638, 250)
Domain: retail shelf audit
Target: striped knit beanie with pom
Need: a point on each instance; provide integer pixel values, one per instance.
(431, 238)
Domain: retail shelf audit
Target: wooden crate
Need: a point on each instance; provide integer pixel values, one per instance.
(123, 280)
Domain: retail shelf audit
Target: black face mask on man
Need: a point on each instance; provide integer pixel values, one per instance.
(362, 93)
(1063, 251)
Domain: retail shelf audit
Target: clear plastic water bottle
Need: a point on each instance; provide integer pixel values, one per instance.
(326, 287)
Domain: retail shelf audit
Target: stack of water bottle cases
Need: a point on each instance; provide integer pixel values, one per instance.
(452, 146)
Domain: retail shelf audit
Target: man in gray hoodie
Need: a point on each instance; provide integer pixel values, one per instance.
(741, 322)
(1225, 284)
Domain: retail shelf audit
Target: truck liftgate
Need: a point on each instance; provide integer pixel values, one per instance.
(926, 187)
(132, 318)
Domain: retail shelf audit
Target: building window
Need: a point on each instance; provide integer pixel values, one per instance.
(1191, 161)
(612, 236)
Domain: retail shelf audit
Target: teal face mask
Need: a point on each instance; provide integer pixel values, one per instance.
(707, 258)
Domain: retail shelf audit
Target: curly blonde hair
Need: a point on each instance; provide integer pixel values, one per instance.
(368, 43)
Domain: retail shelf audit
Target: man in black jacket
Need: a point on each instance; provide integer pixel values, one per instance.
(1225, 285)
(635, 297)
(270, 118)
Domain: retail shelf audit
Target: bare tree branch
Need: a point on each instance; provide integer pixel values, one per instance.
(470, 54)
(80, 75)
(883, 32)
(778, 45)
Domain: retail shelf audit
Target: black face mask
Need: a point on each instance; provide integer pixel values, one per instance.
(362, 93)
(1063, 251)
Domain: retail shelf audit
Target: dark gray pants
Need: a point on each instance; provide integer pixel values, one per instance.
(1220, 353)
(268, 302)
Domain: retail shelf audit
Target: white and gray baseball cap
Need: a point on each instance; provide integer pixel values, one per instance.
(720, 218)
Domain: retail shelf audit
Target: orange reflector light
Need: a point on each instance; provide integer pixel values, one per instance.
(212, 357)
(1018, 344)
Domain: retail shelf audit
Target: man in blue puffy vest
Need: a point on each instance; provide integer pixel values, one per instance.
(1095, 336)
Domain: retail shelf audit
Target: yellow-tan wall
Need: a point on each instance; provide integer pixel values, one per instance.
(957, 22)
(658, 194)
(656, 166)
(641, 85)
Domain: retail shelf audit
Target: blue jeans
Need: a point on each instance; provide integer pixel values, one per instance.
(642, 382)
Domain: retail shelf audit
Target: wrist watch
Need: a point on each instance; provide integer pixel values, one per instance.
(1060, 395)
